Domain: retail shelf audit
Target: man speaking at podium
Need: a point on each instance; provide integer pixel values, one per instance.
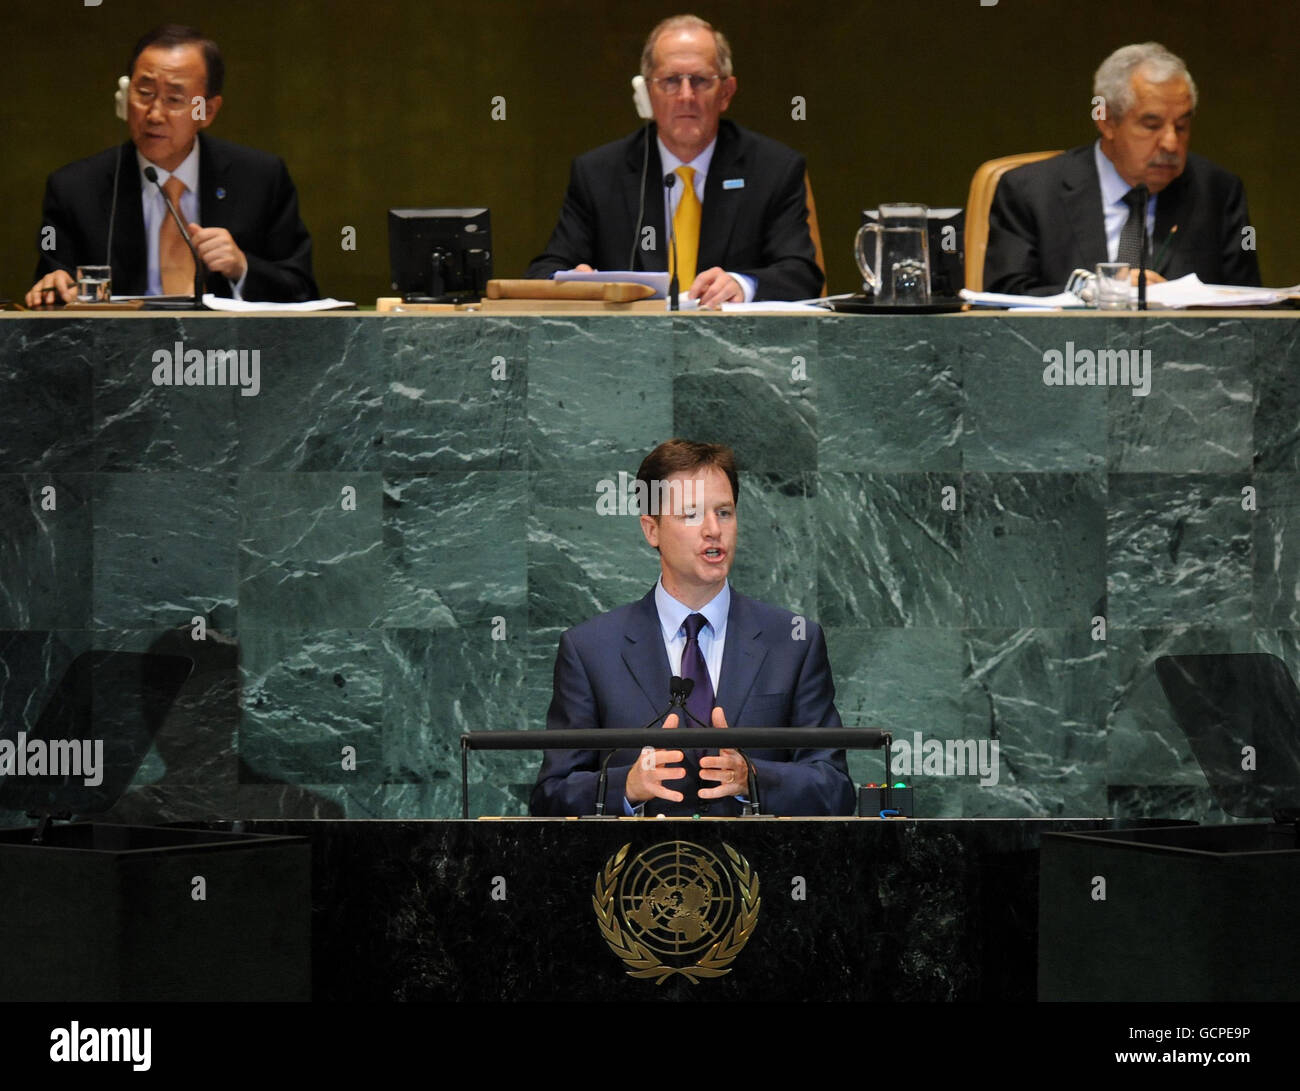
(767, 668)
(239, 205)
(735, 199)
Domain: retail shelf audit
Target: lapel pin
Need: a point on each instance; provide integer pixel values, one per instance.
(221, 193)
(733, 183)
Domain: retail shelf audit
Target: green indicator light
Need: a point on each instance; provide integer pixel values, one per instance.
(900, 784)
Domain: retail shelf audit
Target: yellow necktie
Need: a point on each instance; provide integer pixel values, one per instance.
(686, 229)
(175, 262)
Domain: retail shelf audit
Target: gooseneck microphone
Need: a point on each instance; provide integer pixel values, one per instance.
(688, 684)
(678, 689)
(1143, 197)
(674, 301)
(152, 176)
(640, 210)
(112, 212)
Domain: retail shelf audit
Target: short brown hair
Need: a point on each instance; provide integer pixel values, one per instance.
(681, 456)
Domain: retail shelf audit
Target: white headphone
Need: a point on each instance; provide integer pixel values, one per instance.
(119, 96)
(641, 98)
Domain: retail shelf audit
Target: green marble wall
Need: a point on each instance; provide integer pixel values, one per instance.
(953, 522)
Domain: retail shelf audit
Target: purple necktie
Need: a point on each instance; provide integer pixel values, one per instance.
(700, 702)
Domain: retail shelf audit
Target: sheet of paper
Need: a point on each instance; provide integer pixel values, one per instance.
(219, 303)
(771, 306)
(1190, 291)
(1066, 300)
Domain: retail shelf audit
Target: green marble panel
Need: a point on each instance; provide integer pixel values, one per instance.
(1276, 362)
(143, 425)
(166, 547)
(47, 410)
(599, 391)
(1276, 555)
(454, 393)
(45, 551)
(1145, 745)
(890, 549)
(1043, 695)
(896, 680)
(307, 697)
(319, 408)
(779, 540)
(733, 382)
(307, 560)
(1179, 550)
(1034, 549)
(582, 561)
(454, 547)
(1197, 417)
(1012, 420)
(888, 395)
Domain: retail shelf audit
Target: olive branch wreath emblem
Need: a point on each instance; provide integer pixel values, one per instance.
(642, 962)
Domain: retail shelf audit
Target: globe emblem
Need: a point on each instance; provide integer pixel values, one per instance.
(677, 898)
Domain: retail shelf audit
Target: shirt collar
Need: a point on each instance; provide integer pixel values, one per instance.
(673, 613)
(700, 162)
(187, 172)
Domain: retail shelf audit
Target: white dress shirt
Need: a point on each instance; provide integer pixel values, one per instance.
(1113, 189)
(672, 197)
(155, 211)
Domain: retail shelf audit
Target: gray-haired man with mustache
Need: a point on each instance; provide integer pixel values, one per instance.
(1081, 208)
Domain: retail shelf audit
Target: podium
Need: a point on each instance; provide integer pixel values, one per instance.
(104, 912)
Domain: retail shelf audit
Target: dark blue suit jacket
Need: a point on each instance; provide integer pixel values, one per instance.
(613, 671)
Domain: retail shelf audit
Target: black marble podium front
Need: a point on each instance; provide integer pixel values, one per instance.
(846, 909)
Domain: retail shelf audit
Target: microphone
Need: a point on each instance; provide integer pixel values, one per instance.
(674, 301)
(152, 176)
(1143, 197)
(678, 689)
(112, 212)
(640, 209)
(688, 684)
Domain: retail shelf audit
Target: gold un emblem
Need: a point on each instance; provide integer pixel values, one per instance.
(676, 909)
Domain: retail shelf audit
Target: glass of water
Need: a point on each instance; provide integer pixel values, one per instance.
(1113, 291)
(94, 283)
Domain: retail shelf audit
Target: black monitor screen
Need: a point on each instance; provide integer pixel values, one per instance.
(440, 254)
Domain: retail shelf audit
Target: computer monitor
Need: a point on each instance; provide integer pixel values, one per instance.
(440, 255)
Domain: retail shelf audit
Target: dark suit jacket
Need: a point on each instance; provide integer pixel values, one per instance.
(257, 204)
(613, 671)
(1046, 221)
(760, 230)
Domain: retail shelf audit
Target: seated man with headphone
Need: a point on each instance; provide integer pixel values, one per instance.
(238, 207)
(723, 207)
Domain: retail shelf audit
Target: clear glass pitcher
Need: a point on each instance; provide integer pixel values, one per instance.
(893, 254)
